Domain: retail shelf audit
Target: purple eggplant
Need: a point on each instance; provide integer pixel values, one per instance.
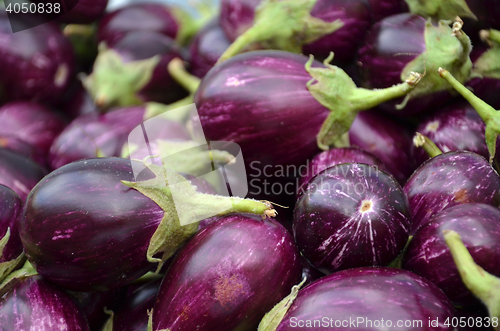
(236, 269)
(262, 101)
(450, 179)
(19, 173)
(206, 48)
(428, 256)
(87, 226)
(133, 314)
(366, 299)
(94, 304)
(336, 156)
(84, 12)
(386, 139)
(315, 27)
(10, 210)
(79, 103)
(133, 71)
(351, 215)
(34, 304)
(383, 8)
(37, 64)
(152, 17)
(456, 127)
(407, 42)
(31, 123)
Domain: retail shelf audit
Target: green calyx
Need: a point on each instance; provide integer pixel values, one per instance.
(189, 24)
(114, 82)
(283, 24)
(184, 207)
(482, 284)
(446, 47)
(488, 114)
(273, 318)
(8, 266)
(440, 9)
(108, 326)
(334, 89)
(488, 64)
(428, 145)
(24, 272)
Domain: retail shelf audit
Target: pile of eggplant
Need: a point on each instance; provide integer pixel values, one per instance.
(242, 165)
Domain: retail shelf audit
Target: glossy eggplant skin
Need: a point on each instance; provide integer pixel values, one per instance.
(32, 123)
(84, 12)
(453, 128)
(37, 64)
(344, 43)
(228, 276)
(236, 16)
(373, 294)
(447, 180)
(336, 156)
(383, 8)
(352, 215)
(152, 17)
(206, 49)
(84, 230)
(389, 46)
(259, 100)
(95, 135)
(10, 210)
(387, 140)
(19, 173)
(34, 304)
(133, 314)
(428, 256)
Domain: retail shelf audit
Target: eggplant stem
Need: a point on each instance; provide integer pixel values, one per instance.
(177, 70)
(482, 284)
(428, 145)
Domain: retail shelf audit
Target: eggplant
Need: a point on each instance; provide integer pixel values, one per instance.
(336, 156)
(370, 298)
(152, 17)
(262, 101)
(428, 256)
(31, 123)
(237, 268)
(206, 48)
(38, 64)
(133, 313)
(132, 71)
(11, 249)
(447, 180)
(386, 139)
(315, 27)
(406, 42)
(351, 215)
(34, 304)
(79, 103)
(84, 12)
(383, 8)
(453, 128)
(19, 173)
(88, 226)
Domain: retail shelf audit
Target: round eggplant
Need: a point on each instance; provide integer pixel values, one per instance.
(37, 63)
(447, 180)
(236, 268)
(34, 304)
(336, 156)
(19, 173)
(428, 256)
(368, 299)
(10, 210)
(351, 215)
(32, 124)
(387, 140)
